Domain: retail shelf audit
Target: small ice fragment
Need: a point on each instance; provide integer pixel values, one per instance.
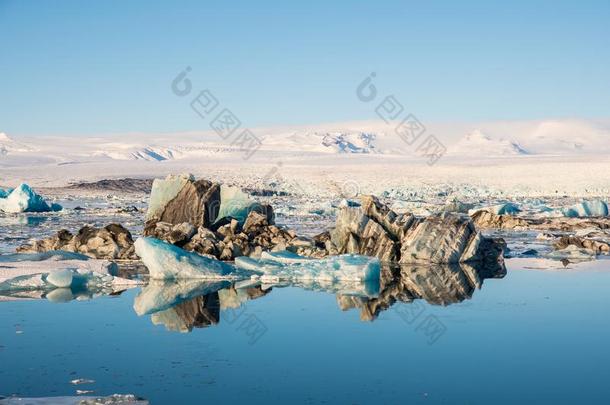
(79, 381)
(61, 278)
(587, 208)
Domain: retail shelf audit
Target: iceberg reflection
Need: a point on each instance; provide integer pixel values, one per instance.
(182, 305)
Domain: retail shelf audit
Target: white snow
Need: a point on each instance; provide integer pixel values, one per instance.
(340, 160)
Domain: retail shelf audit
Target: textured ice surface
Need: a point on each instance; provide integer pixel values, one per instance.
(61, 284)
(572, 253)
(500, 209)
(164, 190)
(160, 295)
(36, 257)
(62, 278)
(9, 270)
(166, 261)
(234, 203)
(587, 208)
(286, 266)
(24, 199)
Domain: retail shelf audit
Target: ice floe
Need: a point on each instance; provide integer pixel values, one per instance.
(287, 266)
(166, 261)
(24, 199)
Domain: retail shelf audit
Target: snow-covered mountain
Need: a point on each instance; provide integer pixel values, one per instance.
(373, 138)
(9, 145)
(478, 143)
(151, 153)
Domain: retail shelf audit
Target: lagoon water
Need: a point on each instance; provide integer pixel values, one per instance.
(533, 336)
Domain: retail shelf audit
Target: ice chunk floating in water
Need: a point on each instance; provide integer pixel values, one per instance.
(24, 199)
(166, 261)
(287, 266)
(591, 208)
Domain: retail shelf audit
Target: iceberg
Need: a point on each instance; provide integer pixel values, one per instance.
(24, 199)
(287, 266)
(499, 209)
(236, 204)
(587, 208)
(166, 261)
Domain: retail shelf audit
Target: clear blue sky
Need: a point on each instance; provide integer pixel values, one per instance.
(94, 67)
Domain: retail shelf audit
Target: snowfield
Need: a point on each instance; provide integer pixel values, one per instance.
(495, 159)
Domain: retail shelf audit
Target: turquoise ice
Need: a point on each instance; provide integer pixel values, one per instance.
(24, 199)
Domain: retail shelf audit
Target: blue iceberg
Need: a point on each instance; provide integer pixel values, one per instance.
(24, 199)
(166, 261)
(587, 208)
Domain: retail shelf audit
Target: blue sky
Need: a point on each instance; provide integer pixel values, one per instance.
(77, 67)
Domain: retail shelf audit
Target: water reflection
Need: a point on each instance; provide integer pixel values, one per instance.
(436, 284)
(184, 305)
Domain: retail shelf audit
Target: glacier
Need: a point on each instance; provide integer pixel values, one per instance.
(24, 199)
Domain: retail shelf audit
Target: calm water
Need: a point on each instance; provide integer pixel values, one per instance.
(534, 336)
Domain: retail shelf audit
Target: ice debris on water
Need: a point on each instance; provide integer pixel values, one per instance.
(24, 199)
(287, 266)
(166, 261)
(71, 279)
